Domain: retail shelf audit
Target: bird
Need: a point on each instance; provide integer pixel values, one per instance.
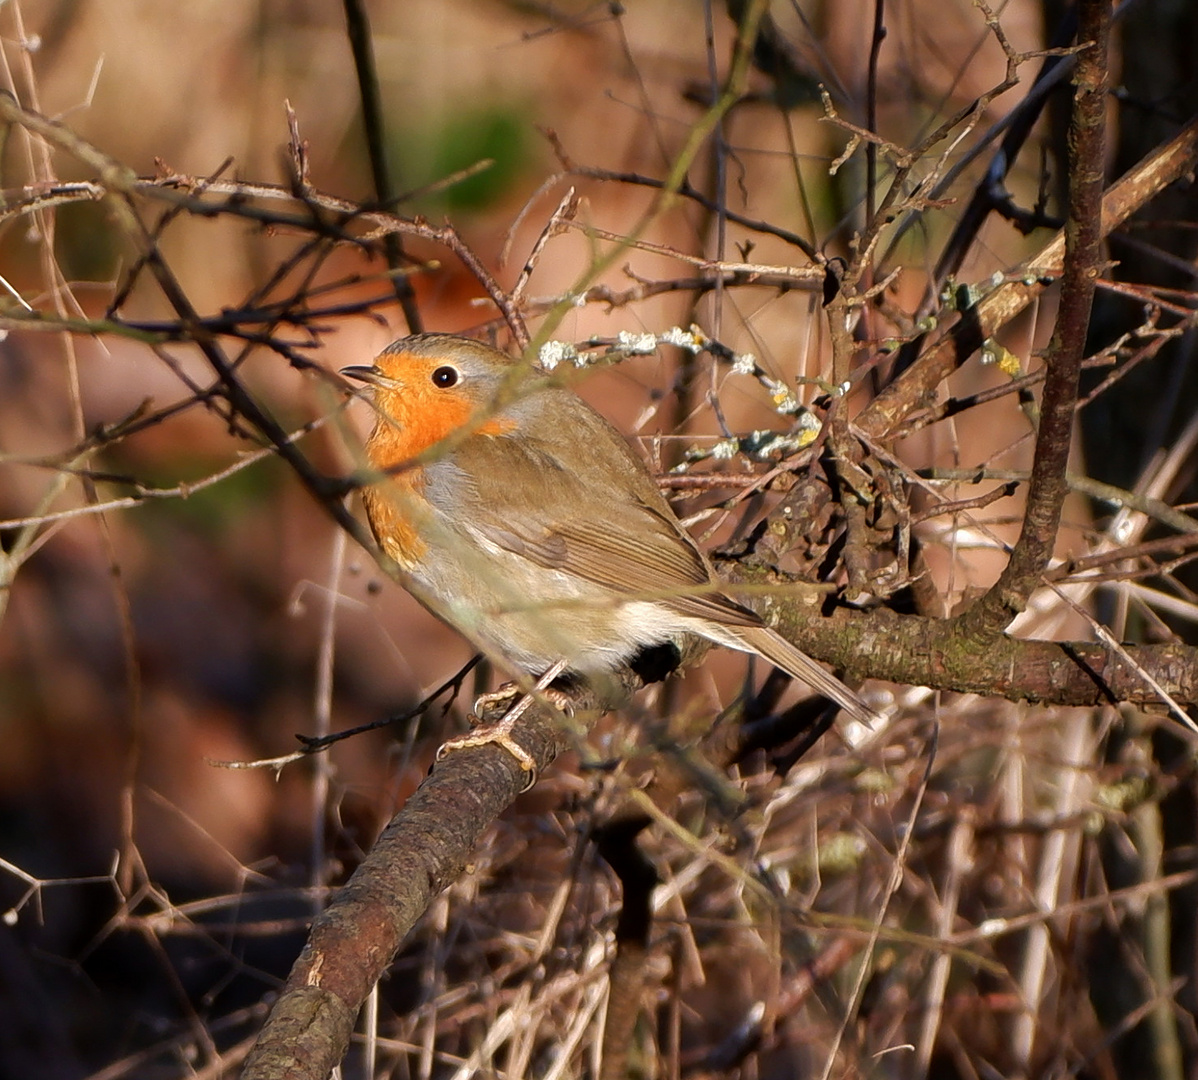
(522, 518)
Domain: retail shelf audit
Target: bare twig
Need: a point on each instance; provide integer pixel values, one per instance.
(357, 24)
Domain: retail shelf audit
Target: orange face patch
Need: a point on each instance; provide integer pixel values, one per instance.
(415, 414)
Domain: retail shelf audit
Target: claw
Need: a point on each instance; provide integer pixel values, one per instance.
(501, 734)
(510, 692)
(507, 695)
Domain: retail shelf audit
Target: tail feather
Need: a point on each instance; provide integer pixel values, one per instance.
(781, 653)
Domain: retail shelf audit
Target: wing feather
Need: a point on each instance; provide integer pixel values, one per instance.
(602, 519)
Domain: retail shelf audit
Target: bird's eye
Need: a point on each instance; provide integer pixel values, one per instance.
(445, 377)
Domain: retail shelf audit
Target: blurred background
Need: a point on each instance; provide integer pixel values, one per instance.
(154, 899)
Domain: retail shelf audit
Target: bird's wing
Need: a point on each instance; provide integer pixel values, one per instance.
(590, 508)
(600, 518)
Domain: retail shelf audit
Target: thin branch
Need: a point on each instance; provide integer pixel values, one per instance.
(918, 384)
(361, 43)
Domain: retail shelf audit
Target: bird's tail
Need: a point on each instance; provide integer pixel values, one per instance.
(781, 653)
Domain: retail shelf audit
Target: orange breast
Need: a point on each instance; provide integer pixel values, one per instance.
(413, 416)
(391, 508)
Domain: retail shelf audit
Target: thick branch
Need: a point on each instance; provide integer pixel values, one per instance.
(1083, 250)
(934, 653)
(423, 850)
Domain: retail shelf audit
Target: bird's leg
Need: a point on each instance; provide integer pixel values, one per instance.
(500, 732)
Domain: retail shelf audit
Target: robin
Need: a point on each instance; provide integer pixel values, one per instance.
(526, 522)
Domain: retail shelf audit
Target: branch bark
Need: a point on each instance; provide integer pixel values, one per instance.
(924, 651)
(422, 851)
(1083, 250)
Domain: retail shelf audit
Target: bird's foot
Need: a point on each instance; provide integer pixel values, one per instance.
(500, 731)
(511, 692)
(500, 700)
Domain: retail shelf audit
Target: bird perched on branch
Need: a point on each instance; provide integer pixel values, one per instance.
(524, 520)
